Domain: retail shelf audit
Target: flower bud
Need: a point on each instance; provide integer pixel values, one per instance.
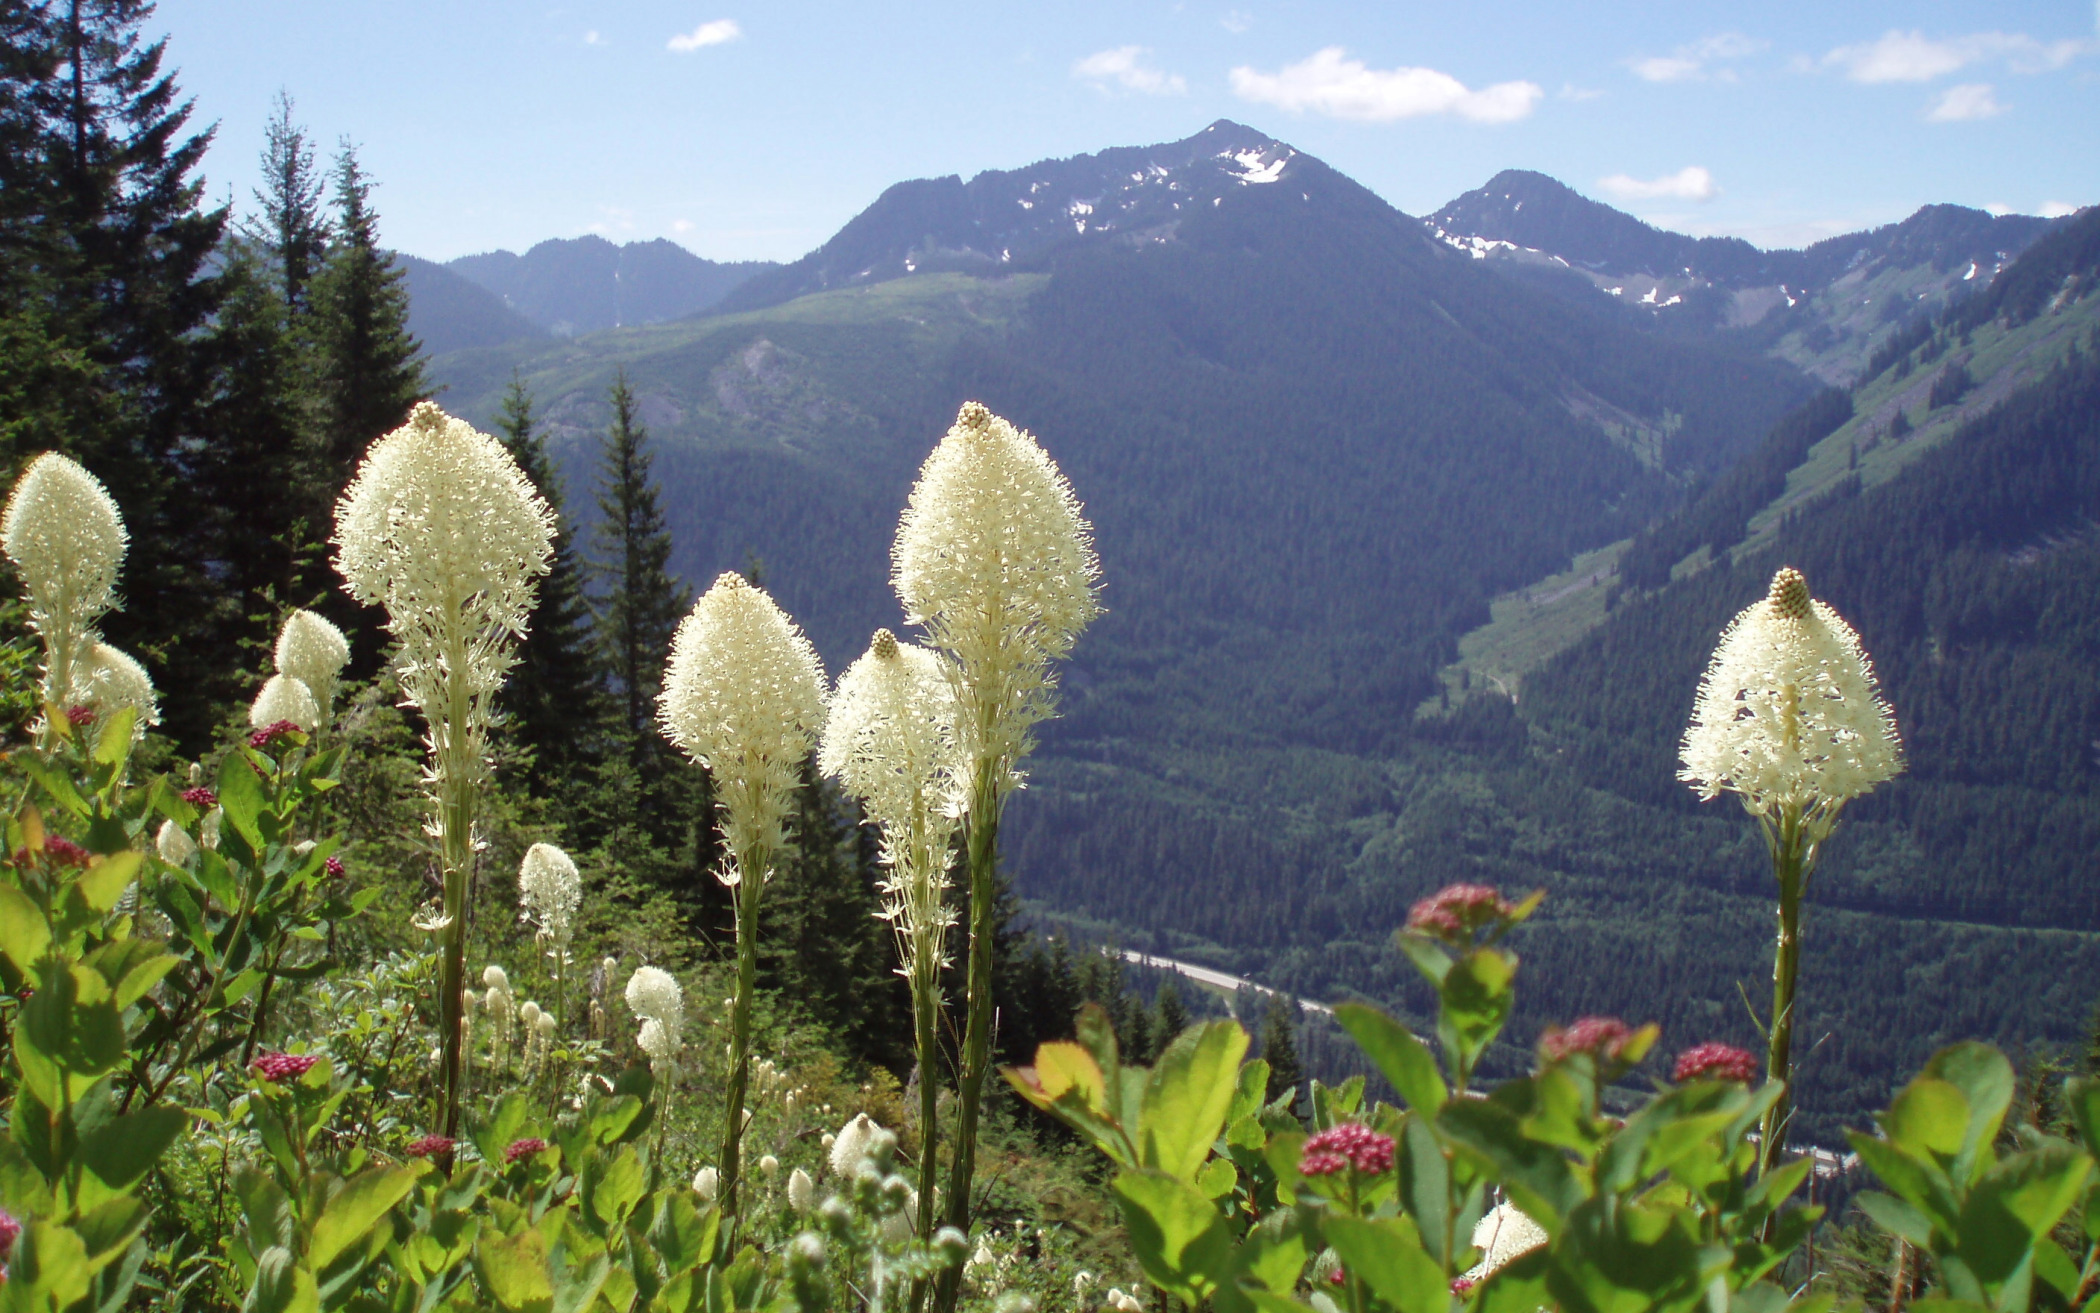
(802, 1191)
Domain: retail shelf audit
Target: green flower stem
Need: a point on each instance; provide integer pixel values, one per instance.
(753, 866)
(1794, 839)
(925, 1009)
(456, 800)
(983, 827)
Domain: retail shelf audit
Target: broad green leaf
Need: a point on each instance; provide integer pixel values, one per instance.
(513, 1270)
(684, 1236)
(1477, 996)
(1425, 1185)
(1274, 1253)
(576, 1284)
(1217, 1178)
(366, 1198)
(123, 1149)
(113, 744)
(1896, 1217)
(48, 1267)
(1402, 1058)
(1922, 1185)
(282, 1285)
(1062, 1066)
(1537, 1175)
(614, 1185)
(23, 934)
(1251, 1092)
(2017, 1202)
(1927, 1116)
(1187, 1096)
(241, 797)
(106, 879)
(1386, 1255)
(1985, 1079)
(1181, 1242)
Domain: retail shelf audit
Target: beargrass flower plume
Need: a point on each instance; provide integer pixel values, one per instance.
(994, 561)
(109, 680)
(442, 529)
(314, 652)
(657, 1001)
(743, 696)
(893, 743)
(1503, 1235)
(63, 533)
(284, 699)
(1789, 719)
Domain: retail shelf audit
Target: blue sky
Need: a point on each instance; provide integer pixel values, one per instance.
(750, 131)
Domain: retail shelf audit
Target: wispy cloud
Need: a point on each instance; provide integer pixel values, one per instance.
(1695, 62)
(1331, 83)
(1914, 57)
(1687, 184)
(720, 32)
(1964, 103)
(1125, 67)
(1569, 91)
(1237, 21)
(2058, 209)
(592, 38)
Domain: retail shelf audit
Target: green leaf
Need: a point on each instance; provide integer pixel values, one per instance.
(1537, 1175)
(113, 745)
(1985, 1079)
(1386, 1255)
(1251, 1092)
(282, 1285)
(23, 933)
(241, 797)
(612, 1186)
(1927, 1116)
(1425, 1185)
(366, 1198)
(513, 1271)
(123, 1149)
(1187, 1096)
(2015, 1203)
(1921, 1184)
(1274, 1253)
(106, 879)
(1183, 1245)
(48, 1267)
(1896, 1217)
(1477, 996)
(1402, 1058)
(1217, 1178)
(683, 1235)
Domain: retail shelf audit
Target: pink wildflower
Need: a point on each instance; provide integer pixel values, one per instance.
(269, 734)
(1348, 1145)
(78, 716)
(432, 1146)
(1459, 910)
(64, 852)
(200, 797)
(524, 1148)
(274, 1067)
(1460, 1285)
(9, 1229)
(1714, 1061)
(1600, 1037)
(335, 866)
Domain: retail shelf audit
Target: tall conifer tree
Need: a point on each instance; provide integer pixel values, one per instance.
(1279, 1048)
(639, 601)
(553, 699)
(371, 369)
(290, 225)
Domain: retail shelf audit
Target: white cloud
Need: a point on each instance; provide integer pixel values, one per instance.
(1330, 83)
(720, 32)
(1964, 103)
(1237, 21)
(1997, 209)
(1914, 57)
(681, 226)
(591, 38)
(1691, 62)
(1125, 67)
(1687, 184)
(2058, 209)
(1569, 91)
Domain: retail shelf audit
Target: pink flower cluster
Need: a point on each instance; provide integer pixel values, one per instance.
(9, 1229)
(200, 797)
(1458, 910)
(1715, 1061)
(1348, 1145)
(524, 1148)
(335, 866)
(78, 716)
(1600, 1037)
(269, 734)
(64, 852)
(275, 1067)
(432, 1146)
(1460, 1285)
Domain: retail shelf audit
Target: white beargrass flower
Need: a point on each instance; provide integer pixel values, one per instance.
(1789, 716)
(66, 538)
(284, 698)
(769, 1167)
(707, 1183)
(109, 680)
(442, 529)
(496, 978)
(892, 741)
(851, 1147)
(802, 1191)
(314, 652)
(654, 996)
(545, 1024)
(529, 1013)
(173, 844)
(744, 696)
(549, 891)
(1503, 1235)
(995, 560)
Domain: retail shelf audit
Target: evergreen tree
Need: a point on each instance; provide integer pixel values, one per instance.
(1279, 1048)
(371, 370)
(554, 700)
(1173, 1017)
(290, 225)
(640, 601)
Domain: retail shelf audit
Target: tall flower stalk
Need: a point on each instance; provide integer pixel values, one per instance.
(1790, 720)
(549, 891)
(744, 697)
(995, 561)
(442, 529)
(892, 742)
(63, 533)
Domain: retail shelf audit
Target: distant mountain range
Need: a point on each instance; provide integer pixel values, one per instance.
(563, 288)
